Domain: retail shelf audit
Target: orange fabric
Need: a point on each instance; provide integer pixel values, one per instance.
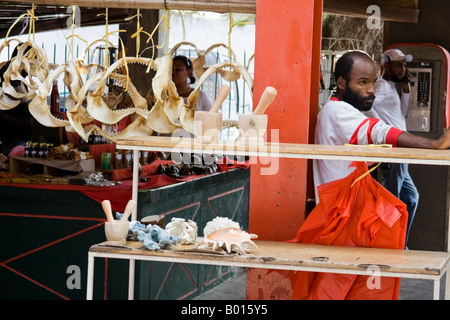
(365, 215)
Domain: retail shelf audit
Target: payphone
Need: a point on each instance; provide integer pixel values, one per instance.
(429, 109)
(429, 116)
(418, 118)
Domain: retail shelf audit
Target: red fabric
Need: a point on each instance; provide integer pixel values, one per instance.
(372, 123)
(365, 215)
(17, 151)
(147, 170)
(119, 195)
(96, 151)
(392, 136)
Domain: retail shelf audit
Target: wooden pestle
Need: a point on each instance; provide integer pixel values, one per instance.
(131, 205)
(106, 204)
(221, 96)
(266, 99)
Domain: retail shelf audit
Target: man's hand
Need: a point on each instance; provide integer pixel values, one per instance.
(444, 140)
(406, 80)
(409, 140)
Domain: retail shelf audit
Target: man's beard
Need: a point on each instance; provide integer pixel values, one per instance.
(398, 79)
(357, 101)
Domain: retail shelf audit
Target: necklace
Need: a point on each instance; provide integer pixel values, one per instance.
(182, 92)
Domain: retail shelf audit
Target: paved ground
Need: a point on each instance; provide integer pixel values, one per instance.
(410, 289)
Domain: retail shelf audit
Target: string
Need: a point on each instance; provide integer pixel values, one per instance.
(165, 27)
(373, 168)
(124, 57)
(231, 25)
(72, 28)
(27, 14)
(139, 29)
(183, 25)
(365, 174)
(25, 26)
(230, 28)
(31, 29)
(106, 37)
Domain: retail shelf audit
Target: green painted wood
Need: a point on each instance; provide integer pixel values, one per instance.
(43, 232)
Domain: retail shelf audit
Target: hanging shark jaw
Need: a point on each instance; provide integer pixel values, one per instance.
(29, 63)
(87, 101)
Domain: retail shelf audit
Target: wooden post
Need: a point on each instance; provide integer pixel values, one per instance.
(138, 75)
(285, 49)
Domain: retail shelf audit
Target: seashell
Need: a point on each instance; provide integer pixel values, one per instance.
(186, 230)
(219, 223)
(230, 239)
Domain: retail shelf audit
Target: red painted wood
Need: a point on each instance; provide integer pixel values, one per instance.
(287, 57)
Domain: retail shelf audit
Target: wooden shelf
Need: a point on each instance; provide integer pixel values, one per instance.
(289, 256)
(289, 150)
(55, 167)
(296, 256)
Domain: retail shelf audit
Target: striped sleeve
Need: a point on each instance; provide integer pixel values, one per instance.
(392, 136)
(374, 131)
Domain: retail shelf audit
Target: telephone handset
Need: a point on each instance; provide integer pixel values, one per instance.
(419, 113)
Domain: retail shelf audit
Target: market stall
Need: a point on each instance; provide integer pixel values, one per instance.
(56, 190)
(275, 203)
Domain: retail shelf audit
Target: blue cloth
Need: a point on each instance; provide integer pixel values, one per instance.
(396, 179)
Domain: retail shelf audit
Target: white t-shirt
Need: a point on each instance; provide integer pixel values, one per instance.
(340, 123)
(390, 107)
(203, 103)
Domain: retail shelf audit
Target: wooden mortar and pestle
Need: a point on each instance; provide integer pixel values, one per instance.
(207, 124)
(116, 231)
(253, 126)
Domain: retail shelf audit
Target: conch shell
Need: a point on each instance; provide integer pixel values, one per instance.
(226, 234)
(230, 239)
(186, 230)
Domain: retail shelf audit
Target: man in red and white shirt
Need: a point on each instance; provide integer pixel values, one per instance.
(341, 120)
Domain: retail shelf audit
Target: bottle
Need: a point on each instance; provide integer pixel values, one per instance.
(144, 158)
(54, 99)
(46, 149)
(41, 150)
(118, 163)
(127, 159)
(27, 149)
(34, 150)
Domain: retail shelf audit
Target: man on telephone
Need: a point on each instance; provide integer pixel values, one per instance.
(392, 92)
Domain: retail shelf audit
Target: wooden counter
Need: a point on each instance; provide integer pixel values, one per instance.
(292, 256)
(289, 150)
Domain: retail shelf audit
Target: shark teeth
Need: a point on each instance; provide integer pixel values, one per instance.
(87, 102)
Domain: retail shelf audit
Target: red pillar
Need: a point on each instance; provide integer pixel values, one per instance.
(287, 57)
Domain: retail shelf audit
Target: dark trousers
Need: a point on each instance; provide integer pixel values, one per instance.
(396, 179)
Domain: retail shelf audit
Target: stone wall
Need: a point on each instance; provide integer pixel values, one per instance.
(342, 33)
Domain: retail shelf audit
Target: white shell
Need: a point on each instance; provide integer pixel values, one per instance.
(186, 230)
(230, 239)
(219, 223)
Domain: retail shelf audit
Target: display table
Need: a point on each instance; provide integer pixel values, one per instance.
(371, 153)
(291, 256)
(60, 222)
